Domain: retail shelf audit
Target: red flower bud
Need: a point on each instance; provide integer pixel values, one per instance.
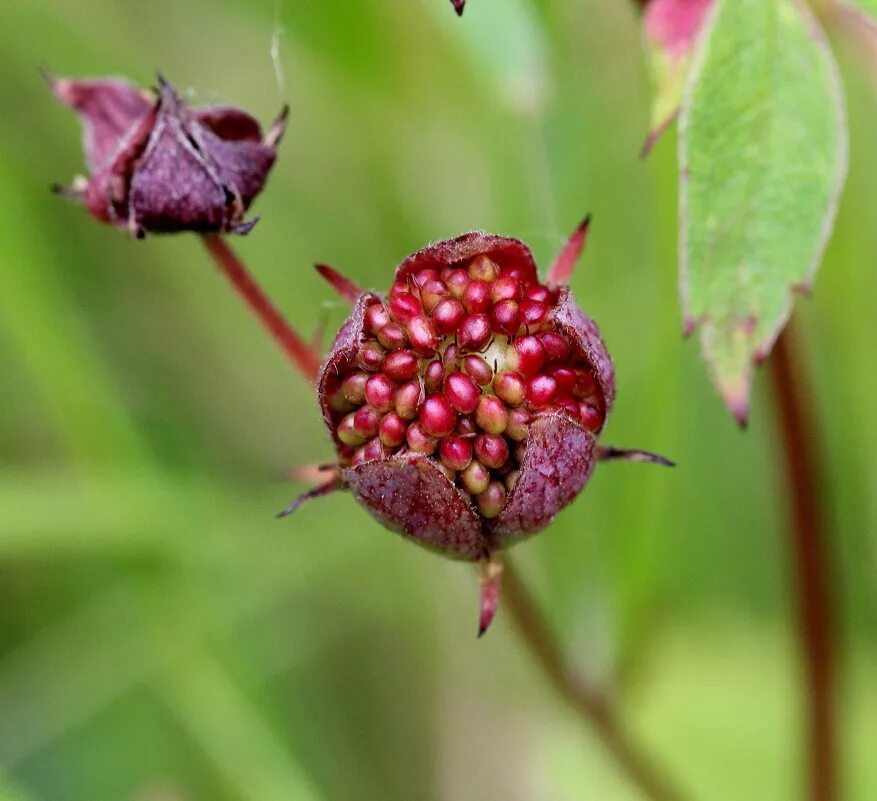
(448, 314)
(422, 334)
(407, 400)
(509, 387)
(456, 452)
(476, 298)
(475, 332)
(392, 430)
(380, 392)
(482, 444)
(401, 365)
(480, 371)
(392, 336)
(437, 416)
(491, 414)
(491, 450)
(526, 355)
(506, 316)
(462, 392)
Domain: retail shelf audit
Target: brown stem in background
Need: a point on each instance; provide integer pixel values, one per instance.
(300, 353)
(809, 550)
(591, 705)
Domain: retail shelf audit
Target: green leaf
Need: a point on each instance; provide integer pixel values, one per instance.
(671, 29)
(762, 159)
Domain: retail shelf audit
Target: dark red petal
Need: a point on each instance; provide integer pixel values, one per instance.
(109, 109)
(585, 336)
(408, 494)
(504, 251)
(242, 165)
(229, 123)
(108, 191)
(558, 461)
(341, 356)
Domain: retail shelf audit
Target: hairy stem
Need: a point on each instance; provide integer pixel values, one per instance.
(809, 551)
(300, 353)
(590, 704)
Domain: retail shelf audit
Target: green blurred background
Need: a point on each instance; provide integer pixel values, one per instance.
(163, 638)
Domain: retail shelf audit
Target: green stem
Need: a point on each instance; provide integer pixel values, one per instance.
(809, 550)
(592, 706)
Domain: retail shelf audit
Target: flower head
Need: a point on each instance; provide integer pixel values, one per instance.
(465, 405)
(156, 165)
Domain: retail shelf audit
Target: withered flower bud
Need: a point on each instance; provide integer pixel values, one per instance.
(158, 166)
(476, 462)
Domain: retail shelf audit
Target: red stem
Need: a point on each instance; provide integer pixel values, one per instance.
(592, 705)
(300, 353)
(809, 547)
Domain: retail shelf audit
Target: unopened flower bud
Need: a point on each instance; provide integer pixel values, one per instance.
(491, 414)
(462, 392)
(158, 166)
(456, 452)
(475, 478)
(492, 501)
(478, 369)
(407, 400)
(509, 387)
(483, 268)
(437, 416)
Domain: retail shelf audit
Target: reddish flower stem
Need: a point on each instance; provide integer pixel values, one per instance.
(809, 550)
(593, 706)
(300, 353)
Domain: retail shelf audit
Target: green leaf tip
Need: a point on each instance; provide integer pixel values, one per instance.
(762, 161)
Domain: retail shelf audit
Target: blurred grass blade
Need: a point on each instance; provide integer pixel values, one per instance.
(763, 154)
(68, 671)
(11, 792)
(507, 44)
(42, 321)
(233, 734)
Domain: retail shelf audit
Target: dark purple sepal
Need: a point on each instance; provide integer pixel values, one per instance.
(189, 178)
(408, 494)
(341, 356)
(583, 332)
(558, 461)
(458, 6)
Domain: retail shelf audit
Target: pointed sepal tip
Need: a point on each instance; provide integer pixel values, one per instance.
(561, 270)
(491, 573)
